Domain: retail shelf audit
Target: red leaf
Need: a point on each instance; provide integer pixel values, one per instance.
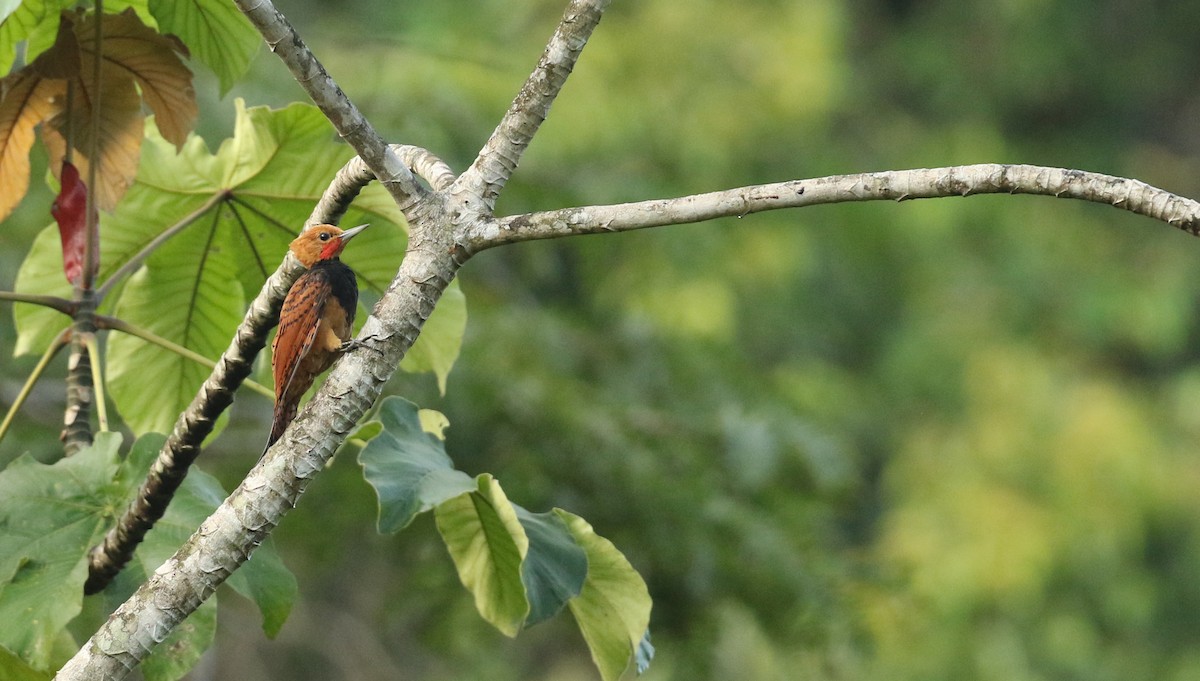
(70, 212)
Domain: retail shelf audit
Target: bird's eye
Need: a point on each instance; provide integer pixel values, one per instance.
(323, 236)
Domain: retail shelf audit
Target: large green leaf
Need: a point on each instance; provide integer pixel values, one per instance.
(215, 31)
(49, 516)
(149, 384)
(441, 337)
(488, 544)
(408, 467)
(230, 217)
(13, 668)
(18, 20)
(613, 610)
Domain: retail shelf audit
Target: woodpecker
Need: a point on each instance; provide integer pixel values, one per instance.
(316, 320)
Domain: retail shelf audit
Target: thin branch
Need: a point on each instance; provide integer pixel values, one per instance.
(63, 305)
(899, 185)
(285, 42)
(153, 245)
(115, 324)
(59, 342)
(500, 155)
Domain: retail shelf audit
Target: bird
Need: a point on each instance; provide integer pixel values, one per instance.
(315, 321)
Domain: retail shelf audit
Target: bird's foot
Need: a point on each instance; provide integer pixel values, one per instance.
(355, 344)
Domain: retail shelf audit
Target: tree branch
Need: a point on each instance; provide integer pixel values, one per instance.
(502, 152)
(285, 42)
(899, 185)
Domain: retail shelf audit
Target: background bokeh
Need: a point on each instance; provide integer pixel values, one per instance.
(932, 440)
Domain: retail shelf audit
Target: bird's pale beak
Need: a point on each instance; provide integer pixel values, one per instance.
(349, 233)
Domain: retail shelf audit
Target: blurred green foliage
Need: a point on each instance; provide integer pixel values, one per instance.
(933, 440)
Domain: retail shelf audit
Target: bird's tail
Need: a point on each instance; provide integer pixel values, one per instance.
(284, 414)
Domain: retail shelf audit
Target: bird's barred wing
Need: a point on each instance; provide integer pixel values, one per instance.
(298, 323)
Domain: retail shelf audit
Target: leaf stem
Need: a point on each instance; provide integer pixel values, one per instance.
(97, 381)
(136, 261)
(105, 322)
(63, 305)
(91, 245)
(57, 344)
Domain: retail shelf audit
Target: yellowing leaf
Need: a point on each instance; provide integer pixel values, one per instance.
(25, 101)
(120, 127)
(133, 56)
(152, 61)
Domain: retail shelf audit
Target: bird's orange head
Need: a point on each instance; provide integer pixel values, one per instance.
(322, 242)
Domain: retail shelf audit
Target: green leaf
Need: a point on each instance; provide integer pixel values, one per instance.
(613, 610)
(258, 188)
(18, 20)
(216, 32)
(149, 384)
(488, 544)
(555, 566)
(441, 337)
(408, 467)
(13, 668)
(266, 581)
(50, 515)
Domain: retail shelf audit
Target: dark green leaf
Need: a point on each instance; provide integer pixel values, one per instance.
(555, 566)
(408, 467)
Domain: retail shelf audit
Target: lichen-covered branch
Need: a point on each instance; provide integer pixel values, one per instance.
(502, 152)
(897, 185)
(285, 42)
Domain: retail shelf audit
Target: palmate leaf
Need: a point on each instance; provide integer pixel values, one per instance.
(51, 514)
(133, 57)
(49, 517)
(249, 199)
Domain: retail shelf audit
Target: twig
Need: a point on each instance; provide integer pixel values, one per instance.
(97, 382)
